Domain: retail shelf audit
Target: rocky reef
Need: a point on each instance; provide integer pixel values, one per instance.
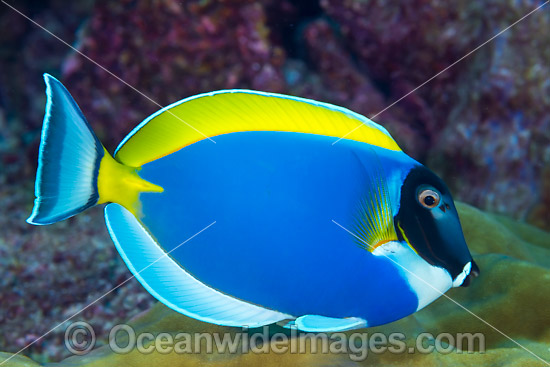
(50, 273)
(168, 50)
(510, 294)
(487, 115)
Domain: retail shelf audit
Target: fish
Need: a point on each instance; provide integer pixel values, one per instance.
(237, 207)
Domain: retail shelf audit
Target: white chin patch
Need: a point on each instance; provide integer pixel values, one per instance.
(460, 277)
(427, 281)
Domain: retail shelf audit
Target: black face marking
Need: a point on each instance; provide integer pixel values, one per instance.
(428, 218)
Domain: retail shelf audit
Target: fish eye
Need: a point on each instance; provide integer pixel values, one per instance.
(428, 198)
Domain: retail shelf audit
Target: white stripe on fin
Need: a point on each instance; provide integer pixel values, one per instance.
(68, 160)
(171, 284)
(316, 323)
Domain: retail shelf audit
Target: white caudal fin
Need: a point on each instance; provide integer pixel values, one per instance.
(68, 161)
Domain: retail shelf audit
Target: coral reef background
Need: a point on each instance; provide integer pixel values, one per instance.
(514, 260)
(483, 125)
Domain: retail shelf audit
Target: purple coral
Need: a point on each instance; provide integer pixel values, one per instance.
(486, 114)
(168, 51)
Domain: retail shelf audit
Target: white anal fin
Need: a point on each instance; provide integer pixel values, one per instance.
(171, 284)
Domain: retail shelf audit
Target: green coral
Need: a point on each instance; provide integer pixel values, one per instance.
(511, 294)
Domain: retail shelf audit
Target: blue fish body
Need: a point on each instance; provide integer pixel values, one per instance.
(272, 223)
(290, 257)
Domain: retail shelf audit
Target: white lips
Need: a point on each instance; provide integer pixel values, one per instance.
(460, 277)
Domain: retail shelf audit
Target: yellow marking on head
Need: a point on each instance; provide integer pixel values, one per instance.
(121, 184)
(223, 112)
(405, 237)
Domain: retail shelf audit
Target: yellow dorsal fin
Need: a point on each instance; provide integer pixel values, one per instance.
(212, 114)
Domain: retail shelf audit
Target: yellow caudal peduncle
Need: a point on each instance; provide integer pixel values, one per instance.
(121, 184)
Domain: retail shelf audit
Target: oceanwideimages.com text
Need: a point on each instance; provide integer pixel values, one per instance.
(80, 339)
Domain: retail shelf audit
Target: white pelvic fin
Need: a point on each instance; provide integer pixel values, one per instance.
(315, 323)
(171, 284)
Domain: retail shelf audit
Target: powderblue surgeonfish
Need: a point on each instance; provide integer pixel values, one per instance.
(235, 208)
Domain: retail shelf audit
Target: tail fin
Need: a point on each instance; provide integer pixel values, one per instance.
(68, 161)
(75, 171)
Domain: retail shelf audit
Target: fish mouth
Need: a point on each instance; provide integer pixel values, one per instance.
(470, 271)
